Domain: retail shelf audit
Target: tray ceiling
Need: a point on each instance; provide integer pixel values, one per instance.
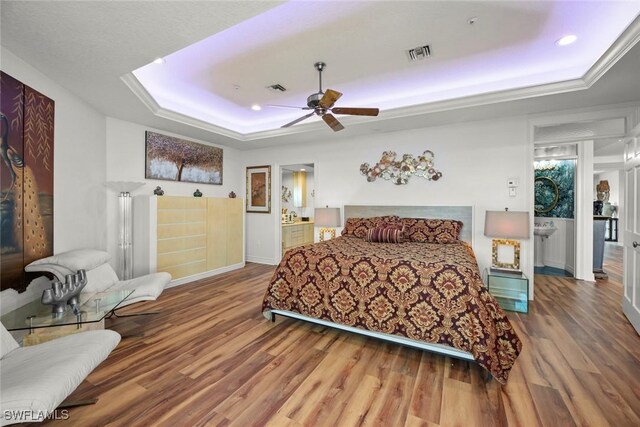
(477, 49)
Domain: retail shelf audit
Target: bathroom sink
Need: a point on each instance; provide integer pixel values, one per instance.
(544, 231)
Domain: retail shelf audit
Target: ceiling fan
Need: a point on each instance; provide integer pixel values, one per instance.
(322, 105)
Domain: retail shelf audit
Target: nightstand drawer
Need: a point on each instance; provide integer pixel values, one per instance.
(511, 291)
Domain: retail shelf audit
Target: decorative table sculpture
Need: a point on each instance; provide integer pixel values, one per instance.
(158, 191)
(602, 191)
(61, 294)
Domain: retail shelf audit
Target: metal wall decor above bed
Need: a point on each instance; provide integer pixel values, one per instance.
(399, 171)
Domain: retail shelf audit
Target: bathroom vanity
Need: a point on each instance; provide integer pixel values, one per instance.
(296, 234)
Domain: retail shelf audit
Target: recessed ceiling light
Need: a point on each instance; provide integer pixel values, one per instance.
(159, 61)
(256, 107)
(566, 40)
(302, 169)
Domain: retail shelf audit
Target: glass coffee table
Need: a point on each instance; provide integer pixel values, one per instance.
(92, 308)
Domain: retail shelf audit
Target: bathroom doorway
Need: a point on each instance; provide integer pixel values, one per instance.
(297, 196)
(555, 203)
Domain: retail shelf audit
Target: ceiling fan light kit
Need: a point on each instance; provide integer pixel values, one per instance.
(322, 103)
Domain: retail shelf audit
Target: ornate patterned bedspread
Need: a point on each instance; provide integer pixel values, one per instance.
(423, 291)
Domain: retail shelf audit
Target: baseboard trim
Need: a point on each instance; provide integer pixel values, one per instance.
(204, 275)
(550, 263)
(261, 260)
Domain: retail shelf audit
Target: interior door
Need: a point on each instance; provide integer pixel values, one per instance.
(631, 299)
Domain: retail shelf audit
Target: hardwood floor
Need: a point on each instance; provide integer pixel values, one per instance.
(210, 358)
(612, 263)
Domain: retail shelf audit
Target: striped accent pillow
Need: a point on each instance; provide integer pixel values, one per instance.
(357, 227)
(385, 234)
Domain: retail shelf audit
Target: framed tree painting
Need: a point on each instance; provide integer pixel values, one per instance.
(176, 159)
(259, 189)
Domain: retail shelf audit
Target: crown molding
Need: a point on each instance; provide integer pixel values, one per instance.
(138, 90)
(145, 97)
(624, 43)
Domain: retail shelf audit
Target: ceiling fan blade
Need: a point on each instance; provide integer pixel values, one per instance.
(332, 122)
(306, 116)
(329, 98)
(287, 106)
(356, 111)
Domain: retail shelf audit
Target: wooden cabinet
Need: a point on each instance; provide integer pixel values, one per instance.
(188, 236)
(224, 232)
(296, 234)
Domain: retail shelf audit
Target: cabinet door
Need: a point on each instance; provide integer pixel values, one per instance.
(308, 234)
(181, 236)
(235, 234)
(297, 235)
(217, 223)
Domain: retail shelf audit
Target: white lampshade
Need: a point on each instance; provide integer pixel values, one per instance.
(327, 217)
(507, 225)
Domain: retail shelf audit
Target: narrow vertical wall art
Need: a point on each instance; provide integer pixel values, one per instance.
(26, 173)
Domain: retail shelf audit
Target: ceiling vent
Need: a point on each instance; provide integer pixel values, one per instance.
(277, 88)
(419, 53)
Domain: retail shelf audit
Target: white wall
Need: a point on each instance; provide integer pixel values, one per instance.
(79, 166)
(125, 157)
(476, 159)
(559, 248)
(287, 181)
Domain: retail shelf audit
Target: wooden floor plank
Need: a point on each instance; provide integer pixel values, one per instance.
(210, 358)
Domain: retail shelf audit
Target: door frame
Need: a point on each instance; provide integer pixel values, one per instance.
(277, 183)
(577, 198)
(584, 234)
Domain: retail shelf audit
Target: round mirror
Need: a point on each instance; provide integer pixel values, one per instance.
(546, 194)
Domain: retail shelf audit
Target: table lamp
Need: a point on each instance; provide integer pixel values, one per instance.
(327, 218)
(506, 227)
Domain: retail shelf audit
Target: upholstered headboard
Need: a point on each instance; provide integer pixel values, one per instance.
(460, 213)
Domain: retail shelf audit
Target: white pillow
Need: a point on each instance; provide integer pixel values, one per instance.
(7, 343)
(75, 260)
(100, 279)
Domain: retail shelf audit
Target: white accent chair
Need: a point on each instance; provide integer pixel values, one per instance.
(36, 379)
(100, 274)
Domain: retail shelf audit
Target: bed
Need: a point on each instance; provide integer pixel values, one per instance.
(424, 292)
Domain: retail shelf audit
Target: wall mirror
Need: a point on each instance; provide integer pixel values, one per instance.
(546, 195)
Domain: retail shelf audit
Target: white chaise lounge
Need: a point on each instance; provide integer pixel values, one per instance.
(100, 274)
(35, 380)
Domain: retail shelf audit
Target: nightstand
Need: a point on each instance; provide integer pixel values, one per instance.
(510, 290)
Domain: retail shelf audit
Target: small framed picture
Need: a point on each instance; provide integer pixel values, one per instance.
(259, 189)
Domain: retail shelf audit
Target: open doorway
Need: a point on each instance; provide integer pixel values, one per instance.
(590, 130)
(608, 196)
(555, 204)
(297, 196)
